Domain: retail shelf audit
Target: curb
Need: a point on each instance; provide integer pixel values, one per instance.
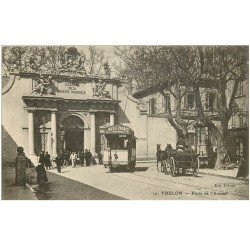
(220, 175)
(31, 189)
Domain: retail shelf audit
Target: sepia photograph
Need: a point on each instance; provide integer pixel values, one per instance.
(151, 122)
(125, 125)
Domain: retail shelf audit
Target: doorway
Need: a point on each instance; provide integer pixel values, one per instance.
(74, 140)
(72, 134)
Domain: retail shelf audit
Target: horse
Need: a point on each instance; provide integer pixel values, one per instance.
(162, 157)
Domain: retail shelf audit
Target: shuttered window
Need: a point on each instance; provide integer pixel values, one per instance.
(166, 102)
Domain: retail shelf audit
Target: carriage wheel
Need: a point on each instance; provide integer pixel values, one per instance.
(172, 166)
(164, 167)
(196, 166)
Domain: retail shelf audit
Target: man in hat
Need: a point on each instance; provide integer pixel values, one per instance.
(21, 163)
(59, 162)
(47, 161)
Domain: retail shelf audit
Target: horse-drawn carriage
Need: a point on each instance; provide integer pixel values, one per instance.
(177, 162)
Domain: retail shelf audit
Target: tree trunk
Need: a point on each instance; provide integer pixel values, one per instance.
(222, 153)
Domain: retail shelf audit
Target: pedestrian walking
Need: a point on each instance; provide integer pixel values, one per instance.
(47, 161)
(59, 163)
(42, 158)
(100, 158)
(21, 163)
(87, 157)
(243, 167)
(82, 158)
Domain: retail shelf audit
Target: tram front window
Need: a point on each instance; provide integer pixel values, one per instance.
(118, 142)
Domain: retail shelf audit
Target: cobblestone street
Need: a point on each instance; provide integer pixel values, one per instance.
(146, 182)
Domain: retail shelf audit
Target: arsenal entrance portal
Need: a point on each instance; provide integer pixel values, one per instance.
(72, 131)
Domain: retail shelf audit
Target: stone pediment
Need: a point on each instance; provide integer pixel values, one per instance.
(69, 86)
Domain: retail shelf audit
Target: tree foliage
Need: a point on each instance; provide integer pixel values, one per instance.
(56, 60)
(179, 69)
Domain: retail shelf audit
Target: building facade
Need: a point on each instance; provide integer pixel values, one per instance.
(238, 124)
(64, 112)
(200, 139)
(56, 113)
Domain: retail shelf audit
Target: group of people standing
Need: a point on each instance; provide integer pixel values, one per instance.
(82, 158)
(46, 162)
(67, 158)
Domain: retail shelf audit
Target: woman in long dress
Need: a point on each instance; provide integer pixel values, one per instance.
(21, 163)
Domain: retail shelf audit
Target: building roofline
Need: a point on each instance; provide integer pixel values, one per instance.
(57, 98)
(146, 91)
(157, 88)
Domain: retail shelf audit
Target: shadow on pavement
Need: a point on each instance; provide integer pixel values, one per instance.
(141, 169)
(63, 188)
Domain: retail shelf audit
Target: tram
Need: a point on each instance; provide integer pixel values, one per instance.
(119, 148)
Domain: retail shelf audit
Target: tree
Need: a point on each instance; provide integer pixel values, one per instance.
(95, 60)
(155, 66)
(55, 60)
(177, 69)
(225, 67)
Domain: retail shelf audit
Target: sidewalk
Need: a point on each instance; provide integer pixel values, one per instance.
(11, 192)
(227, 173)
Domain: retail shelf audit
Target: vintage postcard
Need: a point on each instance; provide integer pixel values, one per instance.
(125, 122)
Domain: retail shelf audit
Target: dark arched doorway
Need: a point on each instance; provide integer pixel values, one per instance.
(72, 133)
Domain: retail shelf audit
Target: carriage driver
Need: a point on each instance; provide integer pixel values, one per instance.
(180, 148)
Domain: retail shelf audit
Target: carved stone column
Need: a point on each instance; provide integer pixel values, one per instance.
(112, 119)
(53, 132)
(92, 134)
(115, 92)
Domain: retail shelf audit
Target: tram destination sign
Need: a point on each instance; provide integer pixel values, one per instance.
(118, 129)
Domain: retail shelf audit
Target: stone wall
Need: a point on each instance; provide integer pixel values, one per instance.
(14, 117)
